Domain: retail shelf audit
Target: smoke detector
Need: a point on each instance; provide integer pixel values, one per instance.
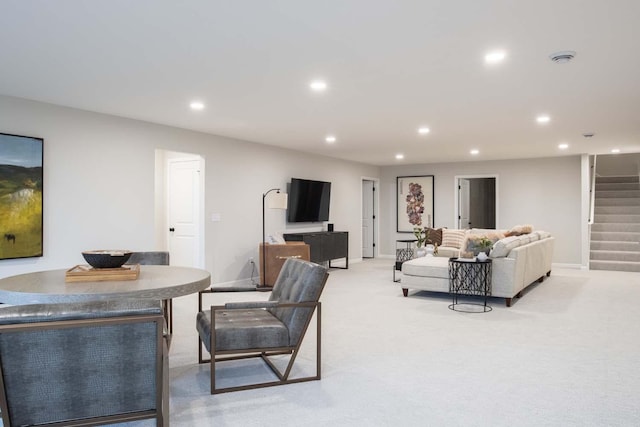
(563, 56)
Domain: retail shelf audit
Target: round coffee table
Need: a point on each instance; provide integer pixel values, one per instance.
(159, 282)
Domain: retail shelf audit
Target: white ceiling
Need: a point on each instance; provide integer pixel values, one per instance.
(391, 67)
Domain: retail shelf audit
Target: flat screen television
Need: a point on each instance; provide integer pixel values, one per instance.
(308, 200)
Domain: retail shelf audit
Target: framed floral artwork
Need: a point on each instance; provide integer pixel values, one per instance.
(415, 202)
(20, 196)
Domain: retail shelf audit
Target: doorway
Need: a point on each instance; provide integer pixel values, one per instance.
(476, 201)
(182, 207)
(369, 201)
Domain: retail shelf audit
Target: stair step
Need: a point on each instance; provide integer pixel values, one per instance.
(617, 210)
(613, 245)
(613, 227)
(615, 234)
(620, 194)
(608, 218)
(617, 186)
(615, 266)
(626, 256)
(617, 201)
(627, 178)
(609, 236)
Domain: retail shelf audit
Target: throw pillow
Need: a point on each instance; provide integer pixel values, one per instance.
(494, 236)
(519, 230)
(452, 238)
(472, 244)
(435, 236)
(472, 241)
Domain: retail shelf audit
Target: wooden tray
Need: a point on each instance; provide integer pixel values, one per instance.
(86, 273)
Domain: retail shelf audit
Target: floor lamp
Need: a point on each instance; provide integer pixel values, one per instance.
(276, 201)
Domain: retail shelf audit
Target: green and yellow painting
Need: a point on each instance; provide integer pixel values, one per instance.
(20, 196)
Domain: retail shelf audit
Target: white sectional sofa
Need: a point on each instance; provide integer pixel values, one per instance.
(518, 261)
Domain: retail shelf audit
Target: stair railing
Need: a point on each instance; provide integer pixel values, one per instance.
(592, 191)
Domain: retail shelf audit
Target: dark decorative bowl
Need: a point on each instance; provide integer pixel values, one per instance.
(106, 258)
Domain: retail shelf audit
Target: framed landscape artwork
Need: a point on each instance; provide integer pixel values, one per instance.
(20, 196)
(415, 202)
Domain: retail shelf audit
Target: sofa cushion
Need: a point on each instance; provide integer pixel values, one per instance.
(448, 252)
(526, 239)
(435, 236)
(427, 266)
(453, 238)
(503, 246)
(542, 234)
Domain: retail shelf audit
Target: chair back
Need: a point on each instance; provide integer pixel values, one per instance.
(81, 361)
(149, 258)
(298, 281)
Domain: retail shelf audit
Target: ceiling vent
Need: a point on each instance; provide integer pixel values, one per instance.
(562, 57)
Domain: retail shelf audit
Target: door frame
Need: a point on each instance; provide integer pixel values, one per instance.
(456, 201)
(376, 215)
(464, 188)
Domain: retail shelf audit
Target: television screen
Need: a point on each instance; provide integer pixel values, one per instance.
(308, 200)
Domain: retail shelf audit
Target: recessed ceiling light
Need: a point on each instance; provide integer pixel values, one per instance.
(543, 119)
(475, 152)
(399, 156)
(424, 130)
(318, 85)
(495, 57)
(197, 105)
(330, 139)
(615, 150)
(563, 146)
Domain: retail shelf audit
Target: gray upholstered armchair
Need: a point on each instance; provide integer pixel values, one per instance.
(149, 258)
(83, 363)
(266, 328)
(156, 258)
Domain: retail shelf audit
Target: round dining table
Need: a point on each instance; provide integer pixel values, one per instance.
(159, 282)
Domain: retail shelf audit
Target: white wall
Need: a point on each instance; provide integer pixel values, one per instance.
(546, 193)
(99, 174)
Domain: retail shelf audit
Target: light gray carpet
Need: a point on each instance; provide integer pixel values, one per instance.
(566, 354)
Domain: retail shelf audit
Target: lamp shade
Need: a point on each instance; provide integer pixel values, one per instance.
(278, 201)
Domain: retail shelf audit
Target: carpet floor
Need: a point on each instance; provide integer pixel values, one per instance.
(566, 354)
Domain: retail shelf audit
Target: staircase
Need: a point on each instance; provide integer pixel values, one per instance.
(615, 233)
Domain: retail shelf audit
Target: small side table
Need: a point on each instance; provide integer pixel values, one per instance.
(404, 252)
(467, 277)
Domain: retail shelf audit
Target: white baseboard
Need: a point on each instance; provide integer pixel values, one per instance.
(568, 266)
(241, 282)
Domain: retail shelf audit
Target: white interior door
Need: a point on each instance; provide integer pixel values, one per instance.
(183, 202)
(368, 215)
(464, 220)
